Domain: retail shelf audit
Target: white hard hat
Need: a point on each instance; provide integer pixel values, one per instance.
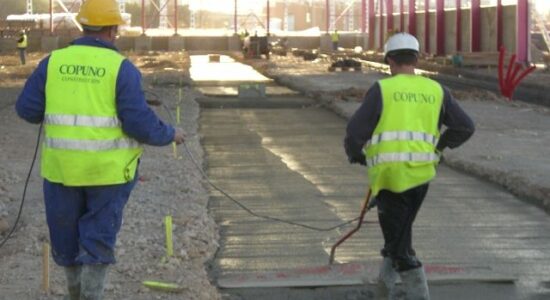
(401, 41)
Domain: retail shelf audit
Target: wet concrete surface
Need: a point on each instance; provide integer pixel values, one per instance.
(289, 163)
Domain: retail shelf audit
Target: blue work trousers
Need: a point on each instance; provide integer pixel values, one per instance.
(84, 221)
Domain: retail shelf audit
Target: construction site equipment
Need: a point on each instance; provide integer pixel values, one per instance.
(345, 64)
(256, 46)
(349, 234)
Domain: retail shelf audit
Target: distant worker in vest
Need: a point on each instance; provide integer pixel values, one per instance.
(396, 134)
(22, 43)
(335, 38)
(90, 100)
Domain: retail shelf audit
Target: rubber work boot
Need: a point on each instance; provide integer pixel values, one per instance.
(387, 279)
(415, 284)
(73, 282)
(92, 282)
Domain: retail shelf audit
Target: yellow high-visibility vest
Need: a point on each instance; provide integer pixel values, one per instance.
(401, 153)
(84, 144)
(23, 43)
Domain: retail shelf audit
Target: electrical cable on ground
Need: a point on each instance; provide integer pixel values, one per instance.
(24, 188)
(238, 203)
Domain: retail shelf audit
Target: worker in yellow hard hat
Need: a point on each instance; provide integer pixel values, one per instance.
(95, 120)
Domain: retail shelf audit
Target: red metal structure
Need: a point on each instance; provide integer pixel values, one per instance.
(372, 23)
(389, 15)
(458, 25)
(381, 29)
(523, 34)
(440, 27)
(475, 28)
(401, 15)
(363, 16)
(412, 17)
(427, 26)
(499, 23)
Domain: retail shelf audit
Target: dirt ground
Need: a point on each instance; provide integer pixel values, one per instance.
(168, 185)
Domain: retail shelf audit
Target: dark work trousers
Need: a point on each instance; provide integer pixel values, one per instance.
(396, 215)
(22, 55)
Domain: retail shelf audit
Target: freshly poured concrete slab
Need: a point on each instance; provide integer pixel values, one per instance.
(232, 91)
(354, 274)
(227, 70)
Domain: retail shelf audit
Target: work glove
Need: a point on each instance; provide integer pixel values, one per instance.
(358, 160)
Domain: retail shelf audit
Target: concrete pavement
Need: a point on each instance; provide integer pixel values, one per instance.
(509, 147)
(288, 162)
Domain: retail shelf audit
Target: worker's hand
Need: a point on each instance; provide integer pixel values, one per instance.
(179, 136)
(358, 160)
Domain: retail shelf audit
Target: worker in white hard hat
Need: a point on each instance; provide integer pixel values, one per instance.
(95, 120)
(396, 134)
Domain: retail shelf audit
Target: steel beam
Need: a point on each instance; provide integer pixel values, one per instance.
(440, 27)
(475, 28)
(401, 15)
(235, 26)
(412, 17)
(327, 14)
(268, 18)
(175, 17)
(363, 16)
(143, 17)
(499, 24)
(381, 29)
(372, 22)
(458, 25)
(427, 26)
(51, 17)
(524, 36)
(389, 15)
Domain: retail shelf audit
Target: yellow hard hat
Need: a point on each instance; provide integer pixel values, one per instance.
(100, 13)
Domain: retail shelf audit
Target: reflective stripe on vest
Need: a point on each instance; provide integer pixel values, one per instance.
(90, 145)
(402, 136)
(76, 120)
(401, 157)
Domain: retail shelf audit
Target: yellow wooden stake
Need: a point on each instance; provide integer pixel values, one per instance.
(175, 150)
(163, 286)
(46, 268)
(178, 108)
(169, 242)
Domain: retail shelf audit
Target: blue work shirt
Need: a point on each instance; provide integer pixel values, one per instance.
(137, 119)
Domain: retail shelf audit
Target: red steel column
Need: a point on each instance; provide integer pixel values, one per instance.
(523, 22)
(175, 17)
(327, 14)
(51, 17)
(440, 27)
(235, 26)
(401, 15)
(412, 17)
(363, 16)
(372, 23)
(143, 17)
(389, 14)
(381, 29)
(499, 24)
(427, 26)
(268, 17)
(458, 25)
(475, 29)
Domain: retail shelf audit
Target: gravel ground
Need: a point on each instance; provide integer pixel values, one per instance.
(167, 186)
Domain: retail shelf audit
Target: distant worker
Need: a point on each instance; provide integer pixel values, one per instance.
(95, 119)
(396, 134)
(335, 38)
(22, 43)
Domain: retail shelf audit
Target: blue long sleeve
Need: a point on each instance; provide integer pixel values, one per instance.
(31, 102)
(137, 118)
